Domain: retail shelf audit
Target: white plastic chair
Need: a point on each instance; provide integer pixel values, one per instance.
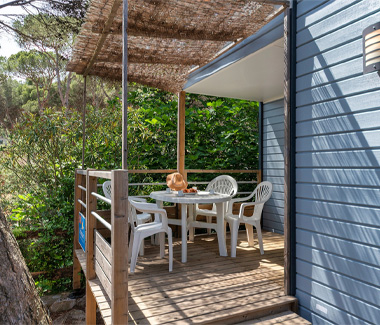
(141, 231)
(141, 217)
(261, 194)
(223, 184)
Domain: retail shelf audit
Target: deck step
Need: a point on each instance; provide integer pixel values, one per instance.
(256, 311)
(284, 318)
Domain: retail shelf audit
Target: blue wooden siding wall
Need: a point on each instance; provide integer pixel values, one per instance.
(273, 164)
(337, 165)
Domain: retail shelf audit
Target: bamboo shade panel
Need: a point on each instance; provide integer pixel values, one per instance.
(166, 39)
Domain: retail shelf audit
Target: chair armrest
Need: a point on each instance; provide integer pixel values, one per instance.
(231, 203)
(244, 205)
(138, 199)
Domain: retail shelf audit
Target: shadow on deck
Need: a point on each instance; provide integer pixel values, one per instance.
(210, 288)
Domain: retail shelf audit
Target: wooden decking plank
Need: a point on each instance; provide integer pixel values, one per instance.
(226, 315)
(192, 306)
(144, 265)
(206, 313)
(81, 256)
(287, 317)
(211, 270)
(102, 299)
(208, 288)
(278, 318)
(165, 297)
(188, 279)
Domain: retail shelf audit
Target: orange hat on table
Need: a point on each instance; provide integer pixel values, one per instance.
(176, 182)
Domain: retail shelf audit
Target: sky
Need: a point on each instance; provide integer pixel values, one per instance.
(8, 46)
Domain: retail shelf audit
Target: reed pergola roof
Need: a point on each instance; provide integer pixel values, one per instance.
(166, 38)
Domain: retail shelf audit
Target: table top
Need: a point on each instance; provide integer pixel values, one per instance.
(200, 197)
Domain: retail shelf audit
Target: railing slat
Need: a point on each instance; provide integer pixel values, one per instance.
(101, 197)
(82, 203)
(103, 278)
(100, 173)
(82, 188)
(220, 171)
(105, 223)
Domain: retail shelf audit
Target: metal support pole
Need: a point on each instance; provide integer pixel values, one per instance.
(181, 134)
(84, 119)
(125, 86)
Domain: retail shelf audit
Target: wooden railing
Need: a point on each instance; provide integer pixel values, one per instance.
(103, 263)
(256, 179)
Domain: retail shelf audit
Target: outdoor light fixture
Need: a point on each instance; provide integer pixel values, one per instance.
(371, 48)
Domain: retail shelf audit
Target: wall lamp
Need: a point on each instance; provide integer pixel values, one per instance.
(371, 48)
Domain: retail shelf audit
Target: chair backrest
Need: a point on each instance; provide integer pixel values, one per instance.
(136, 204)
(261, 194)
(107, 189)
(223, 184)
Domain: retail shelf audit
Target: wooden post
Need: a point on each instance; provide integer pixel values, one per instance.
(181, 134)
(125, 86)
(289, 149)
(119, 243)
(261, 142)
(77, 208)
(91, 203)
(84, 119)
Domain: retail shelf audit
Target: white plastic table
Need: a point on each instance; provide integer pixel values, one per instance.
(188, 222)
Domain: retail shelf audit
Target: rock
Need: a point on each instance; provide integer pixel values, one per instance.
(81, 303)
(62, 305)
(74, 317)
(49, 300)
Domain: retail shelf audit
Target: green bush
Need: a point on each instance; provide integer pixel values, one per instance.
(45, 148)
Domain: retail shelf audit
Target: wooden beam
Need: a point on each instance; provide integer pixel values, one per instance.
(91, 202)
(124, 155)
(78, 195)
(119, 240)
(90, 306)
(181, 134)
(289, 148)
(115, 6)
(217, 171)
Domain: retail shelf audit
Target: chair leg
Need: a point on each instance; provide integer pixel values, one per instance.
(259, 236)
(234, 228)
(249, 230)
(135, 251)
(170, 242)
(162, 244)
(141, 252)
(209, 220)
(152, 241)
(130, 246)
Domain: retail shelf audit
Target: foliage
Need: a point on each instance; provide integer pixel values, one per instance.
(36, 67)
(45, 148)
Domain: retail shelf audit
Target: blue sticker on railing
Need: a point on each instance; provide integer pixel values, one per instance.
(82, 231)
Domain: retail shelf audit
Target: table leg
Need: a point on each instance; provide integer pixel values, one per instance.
(156, 238)
(191, 219)
(184, 232)
(220, 228)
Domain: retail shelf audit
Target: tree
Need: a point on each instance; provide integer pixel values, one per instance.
(36, 67)
(60, 8)
(51, 37)
(19, 300)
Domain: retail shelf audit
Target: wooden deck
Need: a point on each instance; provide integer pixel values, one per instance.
(209, 288)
